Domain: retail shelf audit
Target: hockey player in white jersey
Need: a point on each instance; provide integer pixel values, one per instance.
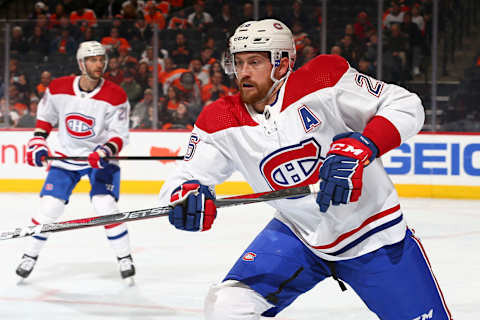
(92, 118)
(324, 123)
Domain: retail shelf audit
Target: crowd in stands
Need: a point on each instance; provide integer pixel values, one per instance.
(191, 42)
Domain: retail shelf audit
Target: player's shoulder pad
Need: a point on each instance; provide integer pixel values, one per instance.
(226, 112)
(111, 93)
(323, 71)
(62, 85)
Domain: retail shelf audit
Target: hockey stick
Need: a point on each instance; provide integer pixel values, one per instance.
(153, 212)
(121, 158)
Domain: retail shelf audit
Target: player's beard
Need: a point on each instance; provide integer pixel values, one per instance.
(94, 75)
(250, 96)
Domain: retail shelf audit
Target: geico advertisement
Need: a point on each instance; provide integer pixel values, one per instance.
(441, 159)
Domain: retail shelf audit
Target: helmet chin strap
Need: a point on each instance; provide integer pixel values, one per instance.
(84, 71)
(275, 84)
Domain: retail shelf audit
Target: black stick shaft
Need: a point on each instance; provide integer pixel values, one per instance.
(121, 158)
(153, 212)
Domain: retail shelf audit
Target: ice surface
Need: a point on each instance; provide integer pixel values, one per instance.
(76, 276)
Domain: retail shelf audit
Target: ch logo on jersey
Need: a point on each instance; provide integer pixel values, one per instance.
(373, 89)
(79, 126)
(292, 166)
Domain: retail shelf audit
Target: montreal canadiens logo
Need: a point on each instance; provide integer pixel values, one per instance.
(293, 166)
(79, 126)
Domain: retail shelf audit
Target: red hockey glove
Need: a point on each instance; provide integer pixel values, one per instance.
(96, 159)
(342, 170)
(193, 207)
(37, 151)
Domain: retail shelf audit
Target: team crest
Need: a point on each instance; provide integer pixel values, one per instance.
(249, 256)
(292, 166)
(79, 126)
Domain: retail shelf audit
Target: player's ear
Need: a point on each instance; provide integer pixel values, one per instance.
(282, 69)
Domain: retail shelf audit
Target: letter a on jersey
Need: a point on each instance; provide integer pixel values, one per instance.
(309, 120)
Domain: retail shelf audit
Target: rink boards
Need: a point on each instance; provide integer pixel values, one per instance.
(445, 165)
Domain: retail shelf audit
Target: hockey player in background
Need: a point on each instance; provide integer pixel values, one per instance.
(324, 123)
(92, 118)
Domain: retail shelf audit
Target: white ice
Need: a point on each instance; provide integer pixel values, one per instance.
(76, 276)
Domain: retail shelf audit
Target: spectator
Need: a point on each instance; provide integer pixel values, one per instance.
(114, 72)
(38, 9)
(363, 27)
(87, 35)
(45, 79)
(395, 57)
(113, 42)
(224, 20)
(247, 12)
(29, 118)
(147, 56)
(211, 43)
(217, 67)
(196, 68)
(172, 100)
(142, 75)
(417, 18)
(22, 88)
(154, 16)
(371, 48)
(300, 37)
(18, 44)
(366, 67)
(18, 102)
(297, 14)
(349, 51)
(181, 52)
(416, 41)
(170, 74)
(131, 87)
(63, 44)
(54, 18)
(64, 23)
(308, 53)
(189, 90)
(207, 59)
(315, 18)
(140, 110)
(180, 118)
(83, 17)
(269, 12)
(214, 90)
(38, 42)
(337, 50)
(141, 32)
(199, 19)
(178, 21)
(395, 15)
(126, 60)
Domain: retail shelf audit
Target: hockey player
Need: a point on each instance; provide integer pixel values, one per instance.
(92, 118)
(323, 123)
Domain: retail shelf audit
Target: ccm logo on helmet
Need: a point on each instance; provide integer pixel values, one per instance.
(79, 126)
(292, 166)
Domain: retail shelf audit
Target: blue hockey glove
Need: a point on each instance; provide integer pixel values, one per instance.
(37, 151)
(342, 171)
(193, 207)
(96, 159)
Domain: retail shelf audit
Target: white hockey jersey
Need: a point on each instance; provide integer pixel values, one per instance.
(286, 145)
(84, 120)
